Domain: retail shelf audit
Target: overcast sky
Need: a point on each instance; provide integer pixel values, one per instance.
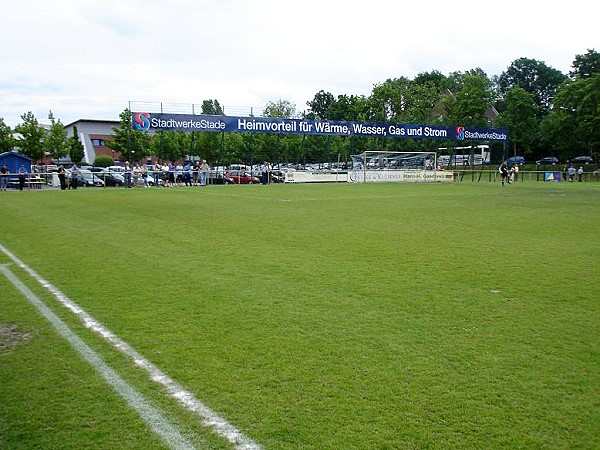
(88, 59)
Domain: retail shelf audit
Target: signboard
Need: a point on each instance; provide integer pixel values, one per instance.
(146, 121)
(552, 176)
(387, 176)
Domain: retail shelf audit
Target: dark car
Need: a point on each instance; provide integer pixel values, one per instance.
(516, 160)
(218, 178)
(111, 178)
(548, 160)
(583, 160)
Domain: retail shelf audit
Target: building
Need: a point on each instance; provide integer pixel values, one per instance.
(94, 135)
(13, 161)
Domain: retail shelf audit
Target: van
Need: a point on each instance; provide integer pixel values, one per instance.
(516, 160)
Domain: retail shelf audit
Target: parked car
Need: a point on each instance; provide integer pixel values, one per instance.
(516, 160)
(88, 178)
(239, 177)
(111, 178)
(583, 160)
(548, 160)
(219, 178)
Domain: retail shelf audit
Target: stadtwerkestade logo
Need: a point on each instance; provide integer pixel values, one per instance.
(460, 133)
(141, 121)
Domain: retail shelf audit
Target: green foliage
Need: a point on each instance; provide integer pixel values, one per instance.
(55, 142)
(280, 108)
(535, 77)
(32, 134)
(469, 105)
(7, 141)
(586, 66)
(103, 161)
(520, 118)
(132, 145)
(76, 149)
(212, 107)
(573, 126)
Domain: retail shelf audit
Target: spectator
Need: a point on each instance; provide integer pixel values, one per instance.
(580, 174)
(3, 177)
(22, 176)
(127, 175)
(571, 172)
(157, 174)
(74, 177)
(62, 177)
(203, 172)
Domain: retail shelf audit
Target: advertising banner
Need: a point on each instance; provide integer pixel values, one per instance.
(146, 121)
(387, 176)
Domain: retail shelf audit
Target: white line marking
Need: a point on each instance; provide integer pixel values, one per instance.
(150, 414)
(174, 389)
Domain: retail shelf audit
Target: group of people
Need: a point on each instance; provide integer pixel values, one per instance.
(5, 174)
(508, 174)
(265, 172)
(571, 172)
(190, 174)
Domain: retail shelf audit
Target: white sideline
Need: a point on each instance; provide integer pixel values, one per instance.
(174, 389)
(153, 416)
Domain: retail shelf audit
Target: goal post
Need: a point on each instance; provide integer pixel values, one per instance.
(393, 167)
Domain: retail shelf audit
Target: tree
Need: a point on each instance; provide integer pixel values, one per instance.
(280, 108)
(212, 107)
(76, 150)
(520, 118)
(55, 142)
(7, 141)
(319, 105)
(573, 125)
(535, 77)
(32, 137)
(469, 106)
(132, 144)
(585, 66)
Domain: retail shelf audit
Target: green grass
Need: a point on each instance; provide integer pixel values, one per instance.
(315, 316)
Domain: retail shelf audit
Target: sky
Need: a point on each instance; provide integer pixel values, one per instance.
(91, 59)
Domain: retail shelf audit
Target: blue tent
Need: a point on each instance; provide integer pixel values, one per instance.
(13, 161)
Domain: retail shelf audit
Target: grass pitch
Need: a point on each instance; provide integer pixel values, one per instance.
(313, 316)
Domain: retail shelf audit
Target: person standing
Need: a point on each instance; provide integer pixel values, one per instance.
(503, 169)
(3, 177)
(263, 173)
(127, 175)
(571, 171)
(62, 177)
(74, 176)
(157, 174)
(203, 172)
(22, 176)
(580, 174)
(516, 172)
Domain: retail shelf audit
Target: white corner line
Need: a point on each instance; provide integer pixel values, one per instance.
(153, 416)
(174, 389)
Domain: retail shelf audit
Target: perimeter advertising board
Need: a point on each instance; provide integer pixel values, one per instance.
(411, 176)
(146, 121)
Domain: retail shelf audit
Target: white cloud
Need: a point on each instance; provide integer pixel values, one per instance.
(88, 59)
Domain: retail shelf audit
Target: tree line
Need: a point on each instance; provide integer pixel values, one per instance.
(546, 113)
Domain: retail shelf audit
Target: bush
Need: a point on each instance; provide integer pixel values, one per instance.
(103, 161)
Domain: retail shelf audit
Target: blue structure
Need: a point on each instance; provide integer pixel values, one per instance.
(13, 161)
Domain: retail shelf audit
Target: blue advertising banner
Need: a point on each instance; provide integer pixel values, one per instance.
(145, 121)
